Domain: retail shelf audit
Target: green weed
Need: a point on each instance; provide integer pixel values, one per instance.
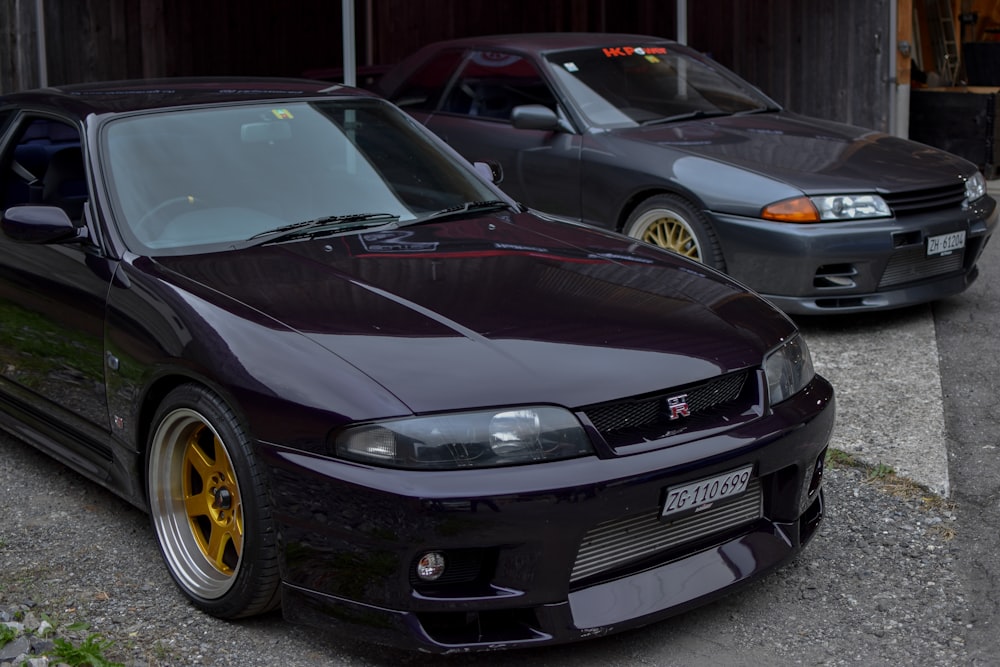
(7, 635)
(88, 654)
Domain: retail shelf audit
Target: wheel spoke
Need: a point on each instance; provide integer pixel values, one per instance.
(196, 505)
(198, 458)
(673, 235)
(223, 542)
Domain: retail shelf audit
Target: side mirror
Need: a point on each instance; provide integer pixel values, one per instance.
(40, 224)
(534, 117)
(489, 170)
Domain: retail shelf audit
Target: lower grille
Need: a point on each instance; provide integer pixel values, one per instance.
(619, 541)
(913, 264)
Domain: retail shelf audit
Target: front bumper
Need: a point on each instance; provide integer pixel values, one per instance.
(850, 267)
(351, 535)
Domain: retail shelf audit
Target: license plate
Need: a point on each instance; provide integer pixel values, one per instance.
(945, 244)
(690, 497)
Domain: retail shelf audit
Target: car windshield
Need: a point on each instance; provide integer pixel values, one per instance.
(628, 85)
(200, 180)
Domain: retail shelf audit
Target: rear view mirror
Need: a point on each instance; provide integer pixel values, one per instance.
(490, 170)
(259, 133)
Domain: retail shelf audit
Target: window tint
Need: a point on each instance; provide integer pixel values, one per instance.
(492, 84)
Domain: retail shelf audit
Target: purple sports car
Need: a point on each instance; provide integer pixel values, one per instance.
(346, 375)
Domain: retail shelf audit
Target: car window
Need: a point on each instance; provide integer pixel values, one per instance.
(5, 118)
(188, 180)
(423, 89)
(43, 165)
(491, 84)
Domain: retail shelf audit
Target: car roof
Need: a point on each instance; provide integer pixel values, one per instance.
(542, 42)
(82, 100)
(533, 44)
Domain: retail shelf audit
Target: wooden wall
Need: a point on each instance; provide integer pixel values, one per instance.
(18, 44)
(826, 58)
(822, 57)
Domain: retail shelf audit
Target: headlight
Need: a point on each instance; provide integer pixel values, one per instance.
(467, 440)
(975, 187)
(851, 207)
(827, 208)
(788, 369)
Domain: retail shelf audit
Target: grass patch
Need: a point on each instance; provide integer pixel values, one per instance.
(886, 479)
(90, 653)
(7, 635)
(880, 471)
(839, 458)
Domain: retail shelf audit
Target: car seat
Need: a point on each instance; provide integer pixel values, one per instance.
(65, 183)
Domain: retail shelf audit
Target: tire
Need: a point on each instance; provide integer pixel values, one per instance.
(670, 222)
(209, 507)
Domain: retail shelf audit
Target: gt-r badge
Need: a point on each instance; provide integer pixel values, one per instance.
(678, 407)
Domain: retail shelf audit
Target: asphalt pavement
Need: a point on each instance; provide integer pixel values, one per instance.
(967, 334)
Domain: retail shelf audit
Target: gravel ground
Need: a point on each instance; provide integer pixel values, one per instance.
(880, 584)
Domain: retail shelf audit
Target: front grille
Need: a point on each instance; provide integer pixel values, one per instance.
(925, 200)
(621, 541)
(616, 421)
(913, 264)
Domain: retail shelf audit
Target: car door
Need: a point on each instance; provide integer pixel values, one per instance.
(541, 167)
(52, 302)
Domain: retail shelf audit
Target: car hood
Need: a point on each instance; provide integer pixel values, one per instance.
(812, 155)
(497, 310)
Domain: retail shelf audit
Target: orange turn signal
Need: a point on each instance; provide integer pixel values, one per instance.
(800, 209)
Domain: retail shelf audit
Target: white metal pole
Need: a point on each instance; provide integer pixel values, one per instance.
(350, 61)
(369, 34)
(43, 63)
(894, 115)
(682, 21)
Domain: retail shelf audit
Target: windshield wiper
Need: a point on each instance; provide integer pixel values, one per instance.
(467, 207)
(690, 115)
(330, 223)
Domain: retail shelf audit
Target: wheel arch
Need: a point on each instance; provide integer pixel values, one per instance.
(151, 400)
(636, 199)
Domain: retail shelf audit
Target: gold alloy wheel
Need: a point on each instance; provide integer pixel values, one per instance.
(212, 500)
(195, 503)
(668, 230)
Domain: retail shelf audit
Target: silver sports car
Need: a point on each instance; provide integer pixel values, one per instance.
(644, 136)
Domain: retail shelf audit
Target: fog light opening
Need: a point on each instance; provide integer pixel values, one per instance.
(817, 474)
(430, 567)
(835, 276)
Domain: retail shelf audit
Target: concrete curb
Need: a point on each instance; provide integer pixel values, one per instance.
(887, 376)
